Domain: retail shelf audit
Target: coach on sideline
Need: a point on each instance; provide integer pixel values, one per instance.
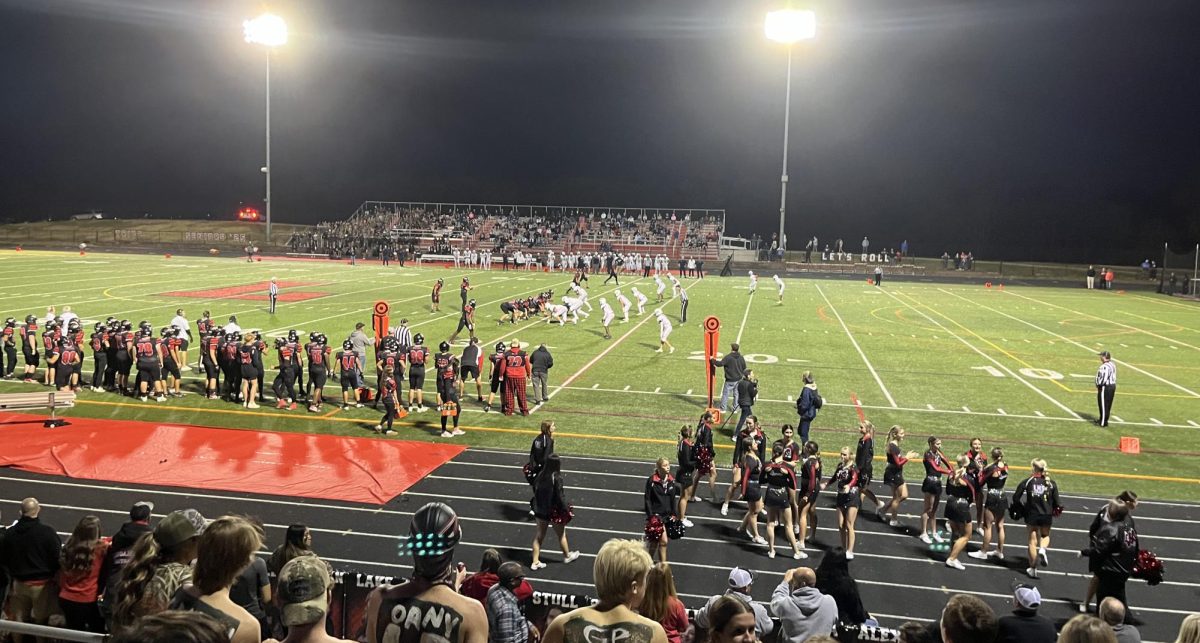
(735, 369)
(1106, 387)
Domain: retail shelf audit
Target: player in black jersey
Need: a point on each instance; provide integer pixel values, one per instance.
(28, 334)
(417, 356)
(317, 350)
(349, 374)
(447, 388)
(285, 382)
(496, 376)
(389, 357)
(251, 368)
(148, 351)
(389, 391)
(9, 335)
(468, 368)
(210, 346)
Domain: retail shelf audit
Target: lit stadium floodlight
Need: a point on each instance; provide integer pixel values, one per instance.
(268, 29)
(790, 25)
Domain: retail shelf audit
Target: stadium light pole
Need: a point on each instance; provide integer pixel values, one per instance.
(270, 31)
(788, 26)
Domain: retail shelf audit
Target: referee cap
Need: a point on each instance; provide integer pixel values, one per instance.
(1105, 354)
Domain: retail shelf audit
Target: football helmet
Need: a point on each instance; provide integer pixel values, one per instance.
(347, 345)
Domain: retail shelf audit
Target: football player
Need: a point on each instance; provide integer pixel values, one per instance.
(606, 317)
(417, 356)
(173, 357)
(10, 347)
(469, 366)
(285, 383)
(664, 331)
(349, 374)
(149, 353)
(447, 388)
(209, 349)
(317, 349)
(388, 357)
(497, 361)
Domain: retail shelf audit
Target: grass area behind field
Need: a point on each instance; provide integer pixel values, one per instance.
(1012, 366)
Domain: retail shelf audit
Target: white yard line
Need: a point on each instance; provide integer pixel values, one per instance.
(1115, 323)
(745, 315)
(861, 354)
(1071, 341)
(989, 358)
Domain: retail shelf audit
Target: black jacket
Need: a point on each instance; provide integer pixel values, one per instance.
(1024, 626)
(30, 550)
(540, 360)
(1115, 546)
(747, 391)
(734, 365)
(119, 554)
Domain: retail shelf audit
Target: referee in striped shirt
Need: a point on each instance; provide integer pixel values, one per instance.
(1106, 387)
(273, 294)
(404, 335)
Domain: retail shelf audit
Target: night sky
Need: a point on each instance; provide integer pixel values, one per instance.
(1022, 129)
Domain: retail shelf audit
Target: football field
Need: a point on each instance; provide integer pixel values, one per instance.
(1014, 366)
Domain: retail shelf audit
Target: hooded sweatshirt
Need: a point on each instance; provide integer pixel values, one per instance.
(803, 612)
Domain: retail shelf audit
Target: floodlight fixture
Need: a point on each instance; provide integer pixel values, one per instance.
(268, 29)
(788, 26)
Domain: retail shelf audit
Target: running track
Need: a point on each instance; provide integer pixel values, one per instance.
(898, 577)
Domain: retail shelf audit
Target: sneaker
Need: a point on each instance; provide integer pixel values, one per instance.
(672, 349)
(388, 432)
(771, 553)
(758, 540)
(658, 351)
(995, 553)
(893, 523)
(422, 409)
(1043, 557)
(378, 428)
(687, 523)
(725, 509)
(799, 555)
(281, 404)
(937, 537)
(926, 539)
(955, 564)
(879, 514)
(447, 434)
(849, 555)
(292, 406)
(251, 405)
(144, 398)
(160, 399)
(536, 566)
(358, 405)
(1083, 608)
(458, 432)
(571, 556)
(978, 555)
(1031, 572)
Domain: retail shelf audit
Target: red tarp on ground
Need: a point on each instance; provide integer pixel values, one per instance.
(287, 464)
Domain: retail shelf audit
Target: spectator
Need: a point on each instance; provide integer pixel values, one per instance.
(1086, 629)
(541, 362)
(747, 391)
(304, 591)
(360, 341)
(914, 632)
(79, 580)
(158, 566)
(967, 619)
(1112, 612)
(476, 585)
(252, 589)
(174, 627)
(741, 583)
(4, 580)
(619, 574)
(296, 542)
(121, 551)
(833, 579)
(733, 621)
(1189, 629)
(1025, 625)
(506, 623)
(31, 555)
(662, 604)
(734, 366)
(387, 606)
(224, 550)
(802, 609)
(808, 403)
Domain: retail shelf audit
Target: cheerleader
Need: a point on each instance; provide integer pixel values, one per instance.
(848, 499)
(810, 486)
(751, 472)
(704, 457)
(936, 466)
(893, 475)
(995, 475)
(661, 501)
(550, 507)
(752, 431)
(979, 462)
(1130, 499)
(791, 454)
(960, 487)
(864, 461)
(542, 448)
(780, 480)
(1038, 497)
(685, 475)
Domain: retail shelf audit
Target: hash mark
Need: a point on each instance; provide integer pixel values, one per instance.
(1117, 419)
(1001, 411)
(689, 392)
(1193, 423)
(1156, 421)
(966, 409)
(929, 406)
(1039, 414)
(657, 389)
(626, 388)
(595, 386)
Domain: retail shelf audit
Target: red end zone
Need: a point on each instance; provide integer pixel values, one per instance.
(178, 455)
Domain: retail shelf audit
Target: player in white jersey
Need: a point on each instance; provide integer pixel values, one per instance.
(753, 282)
(659, 288)
(675, 286)
(574, 306)
(550, 260)
(641, 300)
(624, 301)
(557, 311)
(582, 295)
(606, 317)
(664, 331)
(779, 282)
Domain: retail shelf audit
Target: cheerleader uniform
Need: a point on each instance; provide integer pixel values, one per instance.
(846, 479)
(1039, 495)
(751, 472)
(704, 449)
(960, 494)
(685, 455)
(810, 479)
(760, 446)
(779, 477)
(548, 498)
(935, 468)
(660, 497)
(978, 462)
(864, 458)
(893, 475)
(791, 450)
(994, 499)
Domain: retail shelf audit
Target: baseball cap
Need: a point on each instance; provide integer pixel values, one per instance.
(1105, 354)
(510, 571)
(303, 583)
(178, 526)
(141, 510)
(1026, 596)
(740, 577)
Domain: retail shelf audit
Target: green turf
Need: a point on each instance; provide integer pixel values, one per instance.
(1014, 367)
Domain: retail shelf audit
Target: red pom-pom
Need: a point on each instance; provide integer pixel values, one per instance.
(654, 529)
(1148, 567)
(704, 459)
(562, 516)
(1058, 511)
